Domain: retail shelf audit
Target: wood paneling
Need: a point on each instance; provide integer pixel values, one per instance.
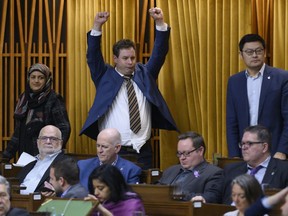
(31, 31)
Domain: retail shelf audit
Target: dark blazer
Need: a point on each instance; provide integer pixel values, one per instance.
(276, 176)
(273, 109)
(257, 209)
(26, 169)
(76, 191)
(17, 212)
(208, 184)
(129, 170)
(108, 82)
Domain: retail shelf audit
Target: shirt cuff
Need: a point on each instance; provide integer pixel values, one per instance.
(158, 28)
(95, 32)
(265, 203)
(162, 27)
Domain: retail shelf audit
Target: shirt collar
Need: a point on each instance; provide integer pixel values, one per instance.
(50, 155)
(122, 74)
(113, 163)
(263, 164)
(261, 71)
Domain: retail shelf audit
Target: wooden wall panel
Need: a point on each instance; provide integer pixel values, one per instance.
(31, 31)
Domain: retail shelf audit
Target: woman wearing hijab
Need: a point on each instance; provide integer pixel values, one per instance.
(37, 107)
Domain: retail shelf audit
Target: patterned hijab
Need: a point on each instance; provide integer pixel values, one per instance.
(29, 99)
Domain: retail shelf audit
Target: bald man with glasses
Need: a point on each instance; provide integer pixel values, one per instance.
(194, 178)
(34, 174)
(255, 147)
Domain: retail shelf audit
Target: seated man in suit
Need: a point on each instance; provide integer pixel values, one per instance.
(34, 174)
(255, 147)
(194, 178)
(108, 145)
(64, 180)
(5, 204)
(264, 205)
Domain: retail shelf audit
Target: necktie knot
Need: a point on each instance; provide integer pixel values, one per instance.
(127, 78)
(255, 170)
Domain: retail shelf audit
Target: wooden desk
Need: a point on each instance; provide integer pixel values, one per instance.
(211, 209)
(29, 202)
(222, 161)
(150, 176)
(9, 171)
(157, 201)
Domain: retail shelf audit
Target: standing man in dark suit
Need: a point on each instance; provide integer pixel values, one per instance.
(258, 95)
(34, 174)
(108, 145)
(269, 171)
(110, 108)
(194, 178)
(64, 180)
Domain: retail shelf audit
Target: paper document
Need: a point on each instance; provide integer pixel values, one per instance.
(24, 159)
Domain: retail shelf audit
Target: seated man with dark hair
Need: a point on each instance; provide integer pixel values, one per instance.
(255, 147)
(194, 177)
(64, 180)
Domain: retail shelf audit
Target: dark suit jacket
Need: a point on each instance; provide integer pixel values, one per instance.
(129, 170)
(276, 176)
(256, 209)
(273, 109)
(76, 191)
(17, 212)
(108, 82)
(208, 184)
(26, 169)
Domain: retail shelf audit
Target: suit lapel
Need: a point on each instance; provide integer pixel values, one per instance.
(270, 172)
(46, 175)
(175, 172)
(265, 88)
(243, 95)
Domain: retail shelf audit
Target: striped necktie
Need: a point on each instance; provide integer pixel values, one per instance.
(134, 113)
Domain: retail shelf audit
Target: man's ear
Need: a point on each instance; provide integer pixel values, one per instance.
(265, 147)
(117, 147)
(241, 55)
(62, 181)
(115, 58)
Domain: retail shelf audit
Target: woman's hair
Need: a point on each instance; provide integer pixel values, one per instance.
(250, 186)
(113, 178)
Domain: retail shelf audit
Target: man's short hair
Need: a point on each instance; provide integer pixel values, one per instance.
(262, 133)
(196, 138)
(66, 168)
(123, 44)
(251, 38)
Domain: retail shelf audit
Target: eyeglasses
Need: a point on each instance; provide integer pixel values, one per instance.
(250, 52)
(52, 139)
(185, 154)
(248, 144)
